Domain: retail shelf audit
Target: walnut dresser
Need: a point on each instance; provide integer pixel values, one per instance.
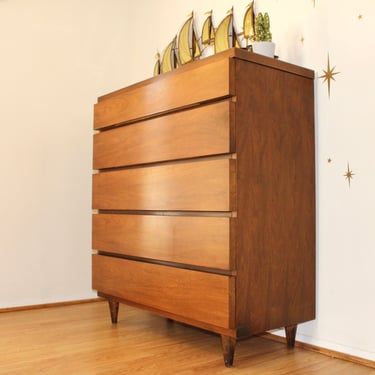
(204, 196)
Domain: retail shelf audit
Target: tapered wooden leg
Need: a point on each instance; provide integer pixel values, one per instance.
(290, 333)
(113, 308)
(228, 345)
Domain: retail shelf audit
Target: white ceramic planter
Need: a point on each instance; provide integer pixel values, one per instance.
(264, 48)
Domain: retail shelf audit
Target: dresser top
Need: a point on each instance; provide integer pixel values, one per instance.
(236, 53)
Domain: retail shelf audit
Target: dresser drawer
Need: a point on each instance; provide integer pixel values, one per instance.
(192, 240)
(195, 186)
(199, 296)
(188, 85)
(200, 131)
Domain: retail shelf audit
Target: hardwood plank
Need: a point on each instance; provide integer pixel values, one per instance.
(47, 305)
(200, 131)
(193, 240)
(81, 340)
(196, 186)
(325, 351)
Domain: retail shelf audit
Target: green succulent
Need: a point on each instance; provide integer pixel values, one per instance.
(262, 28)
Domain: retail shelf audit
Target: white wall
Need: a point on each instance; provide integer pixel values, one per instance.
(58, 56)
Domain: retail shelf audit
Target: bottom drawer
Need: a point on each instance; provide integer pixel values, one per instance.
(195, 295)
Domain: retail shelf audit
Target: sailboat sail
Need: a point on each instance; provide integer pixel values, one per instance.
(221, 36)
(157, 65)
(236, 42)
(226, 36)
(168, 61)
(208, 32)
(188, 47)
(196, 48)
(248, 24)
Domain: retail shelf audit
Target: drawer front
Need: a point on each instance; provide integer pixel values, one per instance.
(201, 131)
(195, 295)
(199, 241)
(195, 186)
(185, 87)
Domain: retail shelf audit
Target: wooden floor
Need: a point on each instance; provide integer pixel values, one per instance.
(79, 340)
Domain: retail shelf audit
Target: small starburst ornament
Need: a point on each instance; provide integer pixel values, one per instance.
(349, 174)
(329, 76)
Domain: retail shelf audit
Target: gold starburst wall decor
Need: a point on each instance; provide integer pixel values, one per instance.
(328, 76)
(349, 174)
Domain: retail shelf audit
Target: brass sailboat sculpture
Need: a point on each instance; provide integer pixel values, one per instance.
(208, 31)
(249, 24)
(226, 36)
(169, 61)
(188, 48)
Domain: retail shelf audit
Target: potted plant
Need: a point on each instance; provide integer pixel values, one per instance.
(263, 38)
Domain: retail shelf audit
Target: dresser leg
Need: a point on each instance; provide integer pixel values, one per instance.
(228, 345)
(290, 333)
(113, 308)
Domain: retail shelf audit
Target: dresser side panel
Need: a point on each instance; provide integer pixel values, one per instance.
(276, 198)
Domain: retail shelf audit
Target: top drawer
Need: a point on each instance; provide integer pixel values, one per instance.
(187, 86)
